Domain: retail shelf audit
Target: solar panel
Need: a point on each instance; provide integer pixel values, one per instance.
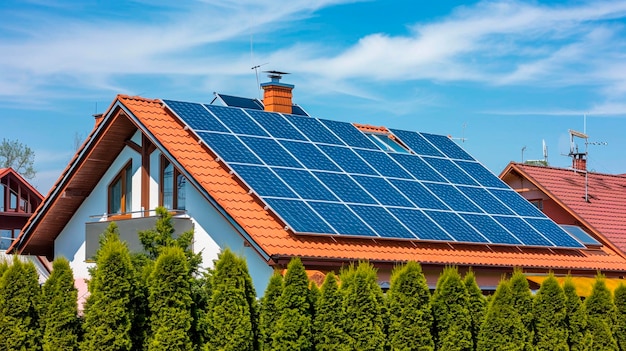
(581, 235)
(236, 101)
(324, 177)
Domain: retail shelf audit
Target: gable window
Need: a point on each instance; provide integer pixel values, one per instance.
(537, 203)
(12, 200)
(120, 191)
(2, 197)
(386, 143)
(173, 185)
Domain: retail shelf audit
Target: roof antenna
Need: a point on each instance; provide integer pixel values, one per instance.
(462, 138)
(255, 67)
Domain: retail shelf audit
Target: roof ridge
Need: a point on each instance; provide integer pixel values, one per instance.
(138, 98)
(621, 176)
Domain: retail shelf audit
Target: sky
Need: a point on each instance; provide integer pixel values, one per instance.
(500, 77)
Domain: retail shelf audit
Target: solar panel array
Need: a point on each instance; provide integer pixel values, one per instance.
(324, 177)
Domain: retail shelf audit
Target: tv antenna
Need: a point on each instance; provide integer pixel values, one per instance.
(256, 73)
(462, 138)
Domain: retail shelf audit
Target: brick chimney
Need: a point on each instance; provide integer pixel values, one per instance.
(579, 162)
(98, 117)
(277, 96)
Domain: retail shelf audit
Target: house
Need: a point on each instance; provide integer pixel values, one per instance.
(268, 181)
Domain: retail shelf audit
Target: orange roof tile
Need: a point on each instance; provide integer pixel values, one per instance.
(269, 234)
(605, 209)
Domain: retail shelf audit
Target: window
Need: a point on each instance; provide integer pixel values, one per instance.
(537, 203)
(24, 205)
(120, 191)
(13, 200)
(6, 237)
(173, 185)
(386, 143)
(2, 199)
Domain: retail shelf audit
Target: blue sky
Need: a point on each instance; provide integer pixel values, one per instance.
(504, 75)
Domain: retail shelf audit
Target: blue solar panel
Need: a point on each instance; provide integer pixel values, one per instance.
(310, 156)
(236, 120)
(485, 200)
(418, 168)
(452, 197)
(349, 134)
(453, 173)
(382, 221)
(342, 219)
(344, 187)
(456, 227)
(276, 125)
(270, 151)
(382, 191)
(236, 101)
(263, 181)
(581, 235)
(490, 229)
(305, 184)
(314, 130)
(196, 116)
(447, 146)
(418, 194)
(299, 217)
(482, 174)
(347, 159)
(517, 203)
(523, 231)
(416, 142)
(555, 233)
(229, 148)
(422, 226)
(384, 164)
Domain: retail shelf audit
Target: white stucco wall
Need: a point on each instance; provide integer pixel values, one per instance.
(213, 232)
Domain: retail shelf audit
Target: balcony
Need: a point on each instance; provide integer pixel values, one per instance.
(129, 227)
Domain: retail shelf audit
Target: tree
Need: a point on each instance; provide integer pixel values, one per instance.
(108, 310)
(59, 319)
(230, 319)
(269, 313)
(170, 302)
(410, 312)
(578, 336)
(619, 331)
(522, 300)
(19, 307)
(18, 156)
(293, 327)
(502, 328)
(363, 307)
(452, 323)
(600, 313)
(328, 333)
(550, 317)
(477, 304)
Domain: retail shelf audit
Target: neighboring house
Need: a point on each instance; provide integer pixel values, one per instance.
(18, 201)
(271, 183)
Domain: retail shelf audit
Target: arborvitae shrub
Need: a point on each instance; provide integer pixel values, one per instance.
(230, 319)
(502, 328)
(328, 334)
(452, 323)
(362, 305)
(477, 305)
(410, 312)
(550, 317)
(108, 311)
(269, 313)
(619, 331)
(59, 319)
(20, 307)
(578, 336)
(600, 313)
(522, 300)
(293, 328)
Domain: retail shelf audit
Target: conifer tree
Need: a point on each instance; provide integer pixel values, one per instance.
(619, 331)
(170, 302)
(452, 323)
(328, 334)
(269, 313)
(19, 307)
(293, 327)
(3, 267)
(502, 328)
(578, 336)
(362, 297)
(477, 304)
(230, 320)
(410, 312)
(522, 300)
(600, 313)
(59, 319)
(108, 314)
(550, 317)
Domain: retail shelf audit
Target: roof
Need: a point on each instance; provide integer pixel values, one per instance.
(6, 171)
(605, 210)
(260, 227)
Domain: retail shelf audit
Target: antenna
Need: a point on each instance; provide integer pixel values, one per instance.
(256, 73)
(545, 152)
(579, 159)
(523, 149)
(462, 138)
